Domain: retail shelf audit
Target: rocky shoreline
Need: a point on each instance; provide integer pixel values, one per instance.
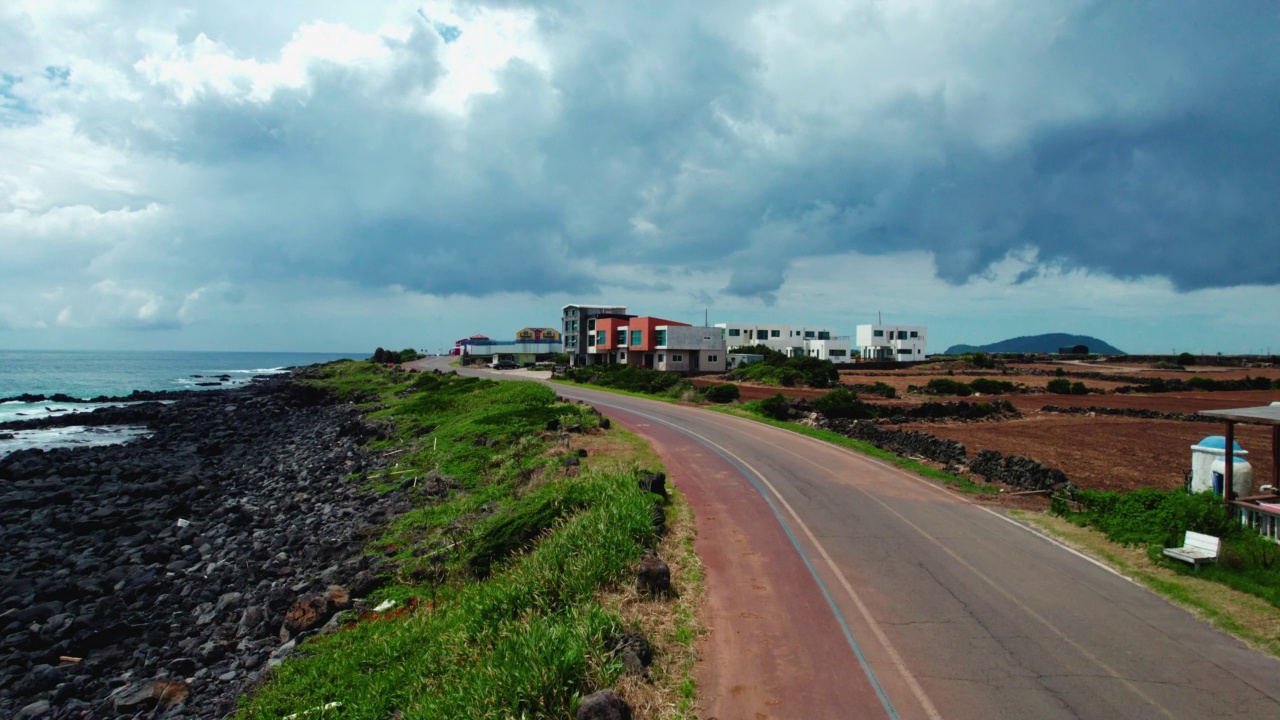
(162, 578)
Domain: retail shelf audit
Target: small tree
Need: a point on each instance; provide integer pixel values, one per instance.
(1060, 386)
(1186, 358)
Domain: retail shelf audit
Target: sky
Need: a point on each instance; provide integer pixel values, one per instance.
(334, 176)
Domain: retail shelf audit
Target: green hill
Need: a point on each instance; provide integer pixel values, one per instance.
(1048, 343)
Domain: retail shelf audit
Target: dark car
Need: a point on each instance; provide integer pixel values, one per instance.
(504, 365)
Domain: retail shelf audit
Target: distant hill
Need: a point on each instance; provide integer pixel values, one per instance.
(1039, 344)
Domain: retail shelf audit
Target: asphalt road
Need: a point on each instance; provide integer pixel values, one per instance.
(886, 595)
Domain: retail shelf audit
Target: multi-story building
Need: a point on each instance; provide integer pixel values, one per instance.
(791, 340)
(579, 329)
(892, 342)
(657, 344)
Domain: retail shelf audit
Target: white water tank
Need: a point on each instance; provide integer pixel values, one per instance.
(1203, 455)
(1241, 477)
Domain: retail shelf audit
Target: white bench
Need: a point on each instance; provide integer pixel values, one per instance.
(1196, 549)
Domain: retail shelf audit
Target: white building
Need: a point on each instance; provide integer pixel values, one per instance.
(791, 340)
(892, 342)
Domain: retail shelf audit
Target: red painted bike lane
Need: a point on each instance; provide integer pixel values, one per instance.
(775, 648)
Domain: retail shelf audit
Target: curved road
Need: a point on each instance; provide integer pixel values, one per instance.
(848, 588)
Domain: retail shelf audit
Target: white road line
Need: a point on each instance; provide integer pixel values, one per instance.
(894, 656)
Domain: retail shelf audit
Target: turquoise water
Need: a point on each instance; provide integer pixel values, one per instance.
(88, 374)
(82, 373)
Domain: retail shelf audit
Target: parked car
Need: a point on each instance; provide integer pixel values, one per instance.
(504, 365)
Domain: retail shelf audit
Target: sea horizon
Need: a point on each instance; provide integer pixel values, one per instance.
(88, 374)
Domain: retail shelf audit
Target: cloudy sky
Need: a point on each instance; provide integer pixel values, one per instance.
(332, 176)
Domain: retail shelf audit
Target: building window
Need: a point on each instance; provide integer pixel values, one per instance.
(677, 358)
(600, 337)
(591, 341)
(622, 356)
(713, 358)
(662, 337)
(734, 332)
(635, 338)
(808, 333)
(775, 333)
(902, 334)
(824, 335)
(661, 358)
(904, 351)
(622, 337)
(877, 333)
(915, 334)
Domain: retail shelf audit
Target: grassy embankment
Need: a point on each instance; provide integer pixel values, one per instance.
(514, 587)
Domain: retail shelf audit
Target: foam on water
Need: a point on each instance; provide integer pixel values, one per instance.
(69, 437)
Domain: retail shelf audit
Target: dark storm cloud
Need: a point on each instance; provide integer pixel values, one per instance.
(1133, 139)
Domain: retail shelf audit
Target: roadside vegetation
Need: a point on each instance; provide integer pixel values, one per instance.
(650, 383)
(1157, 519)
(778, 369)
(391, 356)
(509, 587)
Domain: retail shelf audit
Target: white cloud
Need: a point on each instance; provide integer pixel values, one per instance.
(177, 166)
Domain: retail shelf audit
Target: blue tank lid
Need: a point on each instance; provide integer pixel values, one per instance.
(1219, 442)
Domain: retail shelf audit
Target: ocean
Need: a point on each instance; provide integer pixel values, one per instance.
(88, 374)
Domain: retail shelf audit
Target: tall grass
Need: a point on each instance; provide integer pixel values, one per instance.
(511, 623)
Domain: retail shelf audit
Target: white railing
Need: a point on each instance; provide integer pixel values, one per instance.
(1262, 516)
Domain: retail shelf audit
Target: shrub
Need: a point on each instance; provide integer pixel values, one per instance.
(777, 369)
(843, 403)
(1186, 358)
(987, 386)
(774, 407)
(885, 390)
(947, 386)
(1154, 516)
(1059, 372)
(981, 360)
(724, 393)
(626, 377)
(1060, 386)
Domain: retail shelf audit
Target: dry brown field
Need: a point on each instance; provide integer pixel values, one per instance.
(1096, 451)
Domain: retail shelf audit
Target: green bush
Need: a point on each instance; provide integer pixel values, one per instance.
(1060, 386)
(947, 386)
(844, 403)
(1155, 516)
(774, 407)
(980, 360)
(1186, 358)
(987, 386)
(629, 378)
(777, 369)
(723, 393)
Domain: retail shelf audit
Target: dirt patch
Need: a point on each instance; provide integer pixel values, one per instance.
(1105, 453)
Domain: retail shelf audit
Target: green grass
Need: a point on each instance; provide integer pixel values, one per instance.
(1156, 519)
(946, 478)
(499, 584)
(616, 391)
(1251, 618)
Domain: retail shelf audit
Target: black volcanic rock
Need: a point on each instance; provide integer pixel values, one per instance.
(169, 563)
